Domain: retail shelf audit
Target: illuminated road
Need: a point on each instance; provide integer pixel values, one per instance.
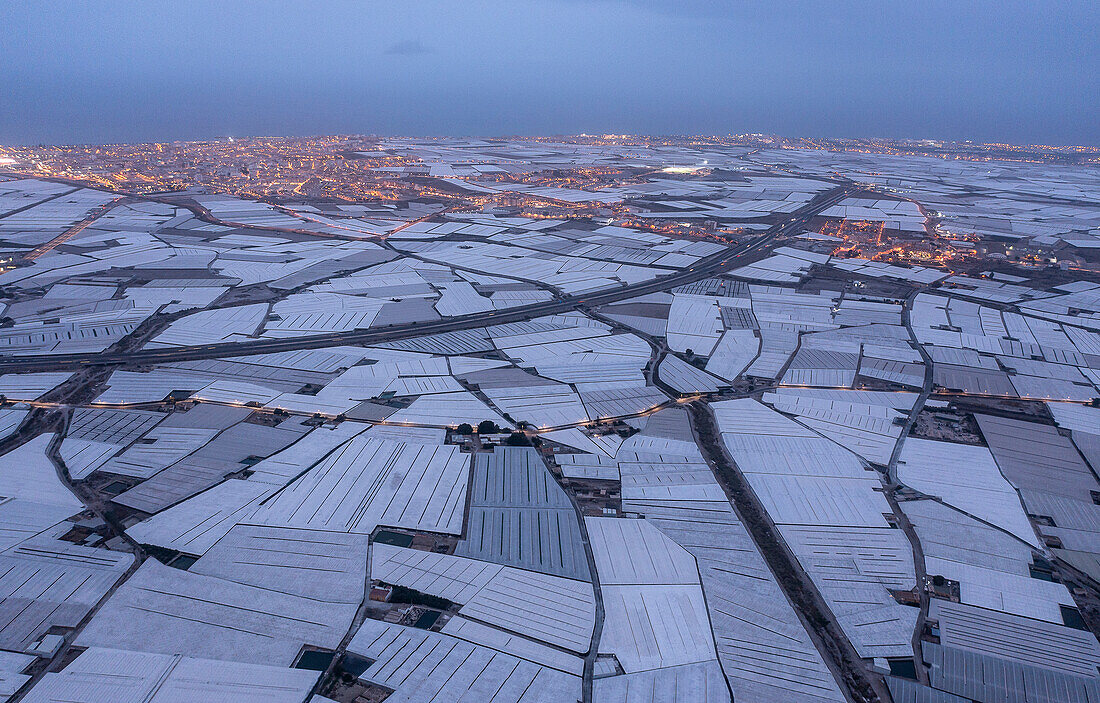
(704, 268)
(72, 231)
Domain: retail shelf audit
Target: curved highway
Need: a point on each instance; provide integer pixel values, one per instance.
(704, 268)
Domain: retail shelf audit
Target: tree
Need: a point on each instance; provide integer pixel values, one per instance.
(518, 439)
(487, 427)
(465, 429)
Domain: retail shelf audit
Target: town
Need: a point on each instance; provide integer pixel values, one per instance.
(587, 418)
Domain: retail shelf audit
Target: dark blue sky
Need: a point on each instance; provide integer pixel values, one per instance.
(108, 70)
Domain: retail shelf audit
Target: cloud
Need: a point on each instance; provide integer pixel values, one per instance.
(409, 47)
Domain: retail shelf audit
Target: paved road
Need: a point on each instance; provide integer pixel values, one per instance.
(705, 268)
(860, 685)
(892, 473)
(36, 203)
(76, 229)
